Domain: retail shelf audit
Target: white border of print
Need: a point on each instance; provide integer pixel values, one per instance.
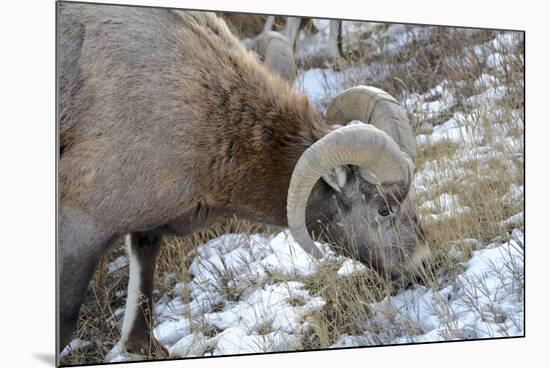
(27, 182)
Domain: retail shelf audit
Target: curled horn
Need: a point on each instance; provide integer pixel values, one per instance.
(376, 107)
(375, 152)
(384, 150)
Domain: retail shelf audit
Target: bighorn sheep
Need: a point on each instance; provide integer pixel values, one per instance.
(292, 28)
(276, 53)
(167, 125)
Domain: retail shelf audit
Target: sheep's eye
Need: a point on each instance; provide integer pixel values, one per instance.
(384, 211)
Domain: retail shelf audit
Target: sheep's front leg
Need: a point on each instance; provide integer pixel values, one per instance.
(137, 328)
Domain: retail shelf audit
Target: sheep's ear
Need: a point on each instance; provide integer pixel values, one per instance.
(337, 178)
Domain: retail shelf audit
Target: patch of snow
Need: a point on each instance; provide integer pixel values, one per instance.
(514, 221)
(235, 340)
(444, 207)
(117, 354)
(117, 264)
(515, 193)
(74, 345)
(485, 81)
(486, 301)
(490, 95)
(507, 40)
(351, 267)
(353, 341)
(315, 83)
(259, 317)
(275, 306)
(170, 309)
(445, 202)
(168, 332)
(495, 60)
(288, 258)
(456, 130)
(194, 344)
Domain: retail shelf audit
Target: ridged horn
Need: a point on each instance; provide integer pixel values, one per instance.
(375, 152)
(376, 107)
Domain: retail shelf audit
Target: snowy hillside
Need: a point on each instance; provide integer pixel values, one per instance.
(486, 300)
(262, 293)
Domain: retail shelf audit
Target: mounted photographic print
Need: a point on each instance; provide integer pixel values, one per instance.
(244, 184)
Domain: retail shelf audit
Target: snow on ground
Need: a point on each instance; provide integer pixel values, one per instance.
(118, 264)
(262, 317)
(485, 301)
(247, 293)
(75, 345)
(443, 207)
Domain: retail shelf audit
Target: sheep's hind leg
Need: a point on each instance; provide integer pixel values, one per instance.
(137, 328)
(82, 243)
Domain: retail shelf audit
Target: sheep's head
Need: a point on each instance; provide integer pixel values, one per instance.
(352, 188)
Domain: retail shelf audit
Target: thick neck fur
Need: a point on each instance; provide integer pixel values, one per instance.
(254, 127)
(260, 127)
